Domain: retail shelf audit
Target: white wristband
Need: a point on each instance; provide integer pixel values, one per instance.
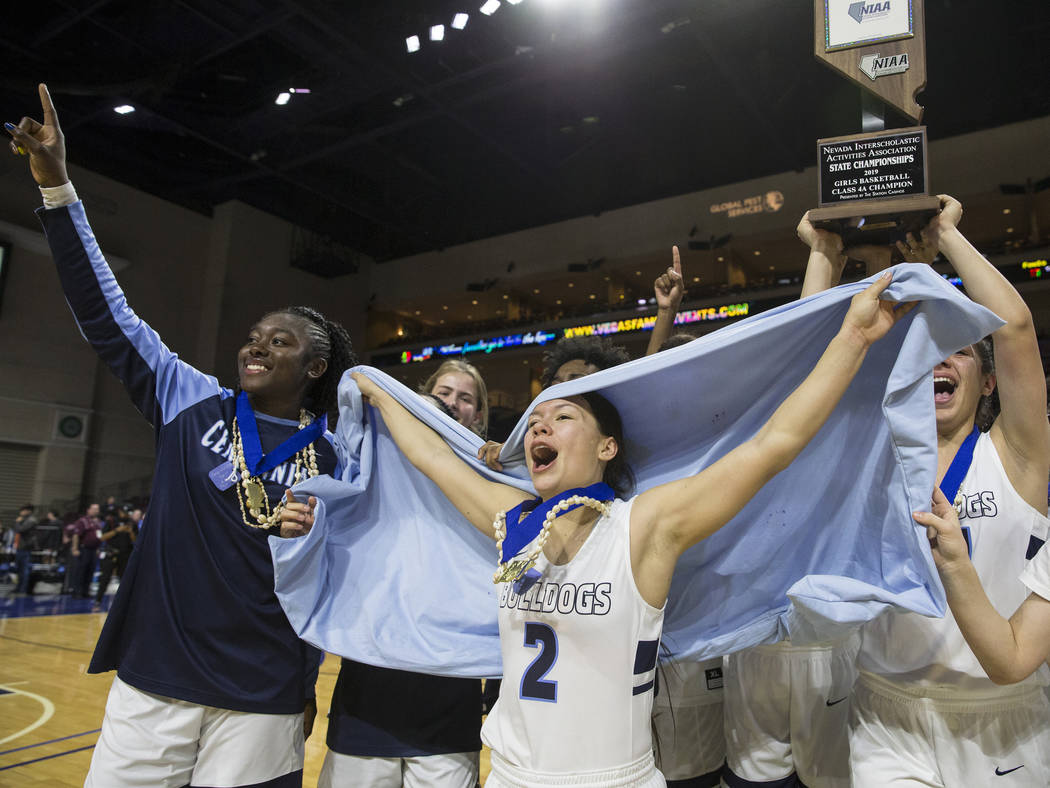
(59, 196)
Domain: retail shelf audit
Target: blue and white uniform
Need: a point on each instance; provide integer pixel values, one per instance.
(787, 713)
(1036, 574)
(688, 715)
(923, 708)
(394, 727)
(579, 649)
(195, 623)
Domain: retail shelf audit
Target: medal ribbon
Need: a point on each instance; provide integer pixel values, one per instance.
(259, 463)
(956, 472)
(522, 531)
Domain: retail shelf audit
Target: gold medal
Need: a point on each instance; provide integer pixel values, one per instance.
(256, 494)
(514, 570)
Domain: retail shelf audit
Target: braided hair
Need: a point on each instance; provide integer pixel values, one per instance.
(330, 341)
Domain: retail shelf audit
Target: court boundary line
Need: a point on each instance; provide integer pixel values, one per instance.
(46, 645)
(50, 741)
(46, 757)
(49, 712)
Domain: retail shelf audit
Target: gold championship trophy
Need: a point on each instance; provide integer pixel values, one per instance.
(872, 186)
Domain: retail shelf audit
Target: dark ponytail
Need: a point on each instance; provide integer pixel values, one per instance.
(618, 473)
(988, 404)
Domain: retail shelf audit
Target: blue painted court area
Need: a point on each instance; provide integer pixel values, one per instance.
(22, 605)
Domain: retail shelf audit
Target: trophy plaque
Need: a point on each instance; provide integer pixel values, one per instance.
(872, 187)
(879, 45)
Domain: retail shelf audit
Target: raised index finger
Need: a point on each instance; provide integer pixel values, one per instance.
(676, 260)
(50, 115)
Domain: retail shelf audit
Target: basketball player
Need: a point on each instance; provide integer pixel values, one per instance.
(213, 687)
(1009, 650)
(924, 711)
(393, 728)
(689, 741)
(580, 632)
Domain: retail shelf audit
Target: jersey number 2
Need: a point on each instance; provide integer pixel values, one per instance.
(533, 686)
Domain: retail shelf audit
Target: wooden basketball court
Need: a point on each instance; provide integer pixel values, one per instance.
(51, 709)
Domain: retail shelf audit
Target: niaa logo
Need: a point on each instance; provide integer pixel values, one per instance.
(864, 11)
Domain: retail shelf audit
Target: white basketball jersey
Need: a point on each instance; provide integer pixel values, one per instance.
(1036, 575)
(579, 660)
(999, 526)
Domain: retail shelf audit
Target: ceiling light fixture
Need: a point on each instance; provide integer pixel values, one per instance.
(437, 33)
(124, 109)
(282, 99)
(459, 21)
(412, 44)
(490, 7)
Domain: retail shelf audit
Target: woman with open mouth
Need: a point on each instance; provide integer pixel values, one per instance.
(920, 684)
(584, 569)
(213, 686)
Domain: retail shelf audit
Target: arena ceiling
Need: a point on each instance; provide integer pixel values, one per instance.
(543, 111)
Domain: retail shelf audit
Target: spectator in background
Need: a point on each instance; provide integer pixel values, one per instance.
(66, 552)
(25, 534)
(118, 536)
(110, 506)
(87, 533)
(49, 532)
